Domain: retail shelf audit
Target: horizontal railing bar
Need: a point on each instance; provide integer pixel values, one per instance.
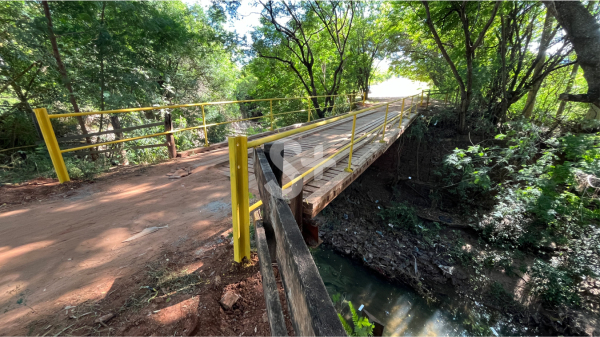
(293, 181)
(114, 150)
(145, 126)
(19, 147)
(281, 135)
(189, 105)
(147, 146)
(250, 144)
(115, 141)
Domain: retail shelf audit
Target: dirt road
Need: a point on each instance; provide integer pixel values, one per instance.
(68, 247)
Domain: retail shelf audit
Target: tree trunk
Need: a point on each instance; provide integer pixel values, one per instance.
(116, 124)
(539, 66)
(570, 83)
(465, 101)
(504, 80)
(317, 107)
(583, 30)
(63, 73)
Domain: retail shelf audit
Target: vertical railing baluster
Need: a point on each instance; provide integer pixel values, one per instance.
(387, 107)
(349, 168)
(271, 114)
(205, 130)
(401, 114)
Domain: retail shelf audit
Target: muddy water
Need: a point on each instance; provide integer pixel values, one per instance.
(402, 311)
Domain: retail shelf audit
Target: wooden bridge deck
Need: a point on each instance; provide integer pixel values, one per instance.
(305, 150)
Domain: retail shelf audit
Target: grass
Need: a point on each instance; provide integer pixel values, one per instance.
(23, 166)
(162, 282)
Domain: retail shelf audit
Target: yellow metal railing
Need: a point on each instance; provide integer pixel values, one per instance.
(238, 165)
(56, 152)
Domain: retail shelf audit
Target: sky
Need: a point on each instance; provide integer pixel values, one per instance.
(248, 16)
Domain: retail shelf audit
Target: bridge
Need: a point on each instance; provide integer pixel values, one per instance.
(320, 159)
(331, 154)
(325, 156)
(294, 170)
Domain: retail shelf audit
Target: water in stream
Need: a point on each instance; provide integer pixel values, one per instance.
(402, 311)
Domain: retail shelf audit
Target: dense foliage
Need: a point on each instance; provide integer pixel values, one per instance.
(545, 196)
(117, 55)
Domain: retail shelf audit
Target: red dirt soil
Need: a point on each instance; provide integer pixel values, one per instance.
(62, 245)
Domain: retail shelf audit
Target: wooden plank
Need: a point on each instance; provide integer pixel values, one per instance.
(311, 309)
(322, 197)
(295, 193)
(170, 139)
(274, 153)
(270, 291)
(85, 153)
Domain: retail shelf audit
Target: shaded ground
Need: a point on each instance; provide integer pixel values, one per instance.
(177, 294)
(62, 245)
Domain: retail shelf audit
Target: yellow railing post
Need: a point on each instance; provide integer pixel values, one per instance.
(412, 100)
(205, 130)
(349, 168)
(387, 107)
(422, 92)
(308, 102)
(240, 203)
(364, 95)
(401, 114)
(271, 104)
(446, 100)
(52, 144)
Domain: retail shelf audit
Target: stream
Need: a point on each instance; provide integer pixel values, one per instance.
(401, 310)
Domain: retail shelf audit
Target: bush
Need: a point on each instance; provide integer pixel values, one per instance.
(544, 191)
(23, 166)
(554, 285)
(403, 216)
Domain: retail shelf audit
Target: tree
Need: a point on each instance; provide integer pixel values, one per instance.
(520, 70)
(322, 26)
(547, 35)
(374, 37)
(63, 72)
(583, 30)
(463, 11)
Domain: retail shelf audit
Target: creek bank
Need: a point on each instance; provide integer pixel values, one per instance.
(443, 258)
(426, 262)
